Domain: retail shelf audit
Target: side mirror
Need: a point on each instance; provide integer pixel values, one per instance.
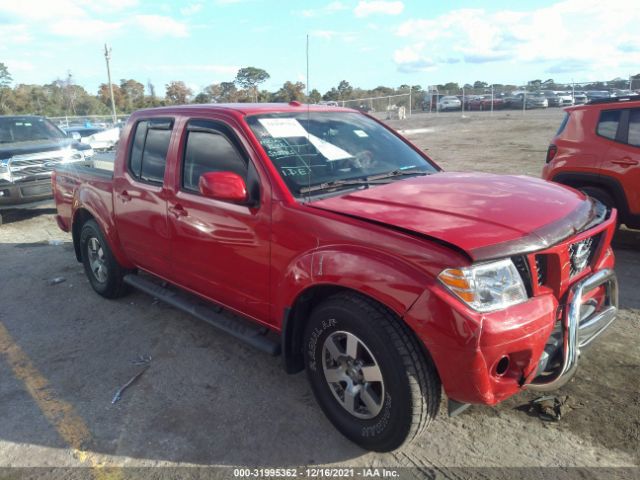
(75, 136)
(226, 186)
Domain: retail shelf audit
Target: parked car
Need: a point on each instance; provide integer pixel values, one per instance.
(552, 99)
(579, 98)
(375, 271)
(30, 147)
(79, 133)
(484, 103)
(566, 97)
(104, 140)
(597, 150)
(449, 102)
(597, 95)
(532, 100)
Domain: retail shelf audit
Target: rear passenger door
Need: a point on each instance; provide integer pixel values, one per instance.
(220, 249)
(622, 160)
(139, 197)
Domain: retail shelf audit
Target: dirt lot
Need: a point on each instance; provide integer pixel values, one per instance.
(209, 400)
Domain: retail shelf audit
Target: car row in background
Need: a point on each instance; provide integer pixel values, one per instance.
(520, 99)
(100, 139)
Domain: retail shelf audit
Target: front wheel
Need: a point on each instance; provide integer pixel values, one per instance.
(368, 372)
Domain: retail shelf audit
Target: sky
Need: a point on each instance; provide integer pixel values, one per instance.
(367, 43)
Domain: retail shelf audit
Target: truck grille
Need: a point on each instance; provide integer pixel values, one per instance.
(541, 267)
(41, 163)
(581, 254)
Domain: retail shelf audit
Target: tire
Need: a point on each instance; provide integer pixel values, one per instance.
(102, 269)
(601, 195)
(385, 413)
(604, 197)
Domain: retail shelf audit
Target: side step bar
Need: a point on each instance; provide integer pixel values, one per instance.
(237, 327)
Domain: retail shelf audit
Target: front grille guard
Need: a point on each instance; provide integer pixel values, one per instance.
(579, 332)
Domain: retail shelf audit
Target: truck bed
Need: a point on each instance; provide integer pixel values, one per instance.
(92, 183)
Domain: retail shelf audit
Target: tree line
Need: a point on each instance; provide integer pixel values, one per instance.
(64, 97)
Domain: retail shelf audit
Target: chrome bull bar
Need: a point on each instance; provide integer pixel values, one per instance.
(578, 332)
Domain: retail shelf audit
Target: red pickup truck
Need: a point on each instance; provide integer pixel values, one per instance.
(322, 235)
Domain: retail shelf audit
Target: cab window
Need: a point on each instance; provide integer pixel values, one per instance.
(148, 156)
(209, 148)
(608, 123)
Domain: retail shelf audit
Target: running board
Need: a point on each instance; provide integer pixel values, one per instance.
(237, 327)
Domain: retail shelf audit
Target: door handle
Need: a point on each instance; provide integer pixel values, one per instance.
(625, 162)
(124, 196)
(177, 211)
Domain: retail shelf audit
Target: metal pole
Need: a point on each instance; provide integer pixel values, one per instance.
(462, 109)
(524, 101)
(492, 99)
(107, 56)
(573, 92)
(409, 100)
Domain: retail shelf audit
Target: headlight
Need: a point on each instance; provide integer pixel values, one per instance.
(4, 168)
(73, 156)
(486, 287)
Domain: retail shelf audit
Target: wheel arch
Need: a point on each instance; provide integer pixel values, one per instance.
(608, 184)
(84, 213)
(295, 318)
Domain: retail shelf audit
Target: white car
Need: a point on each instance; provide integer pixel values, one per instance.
(103, 140)
(449, 103)
(566, 97)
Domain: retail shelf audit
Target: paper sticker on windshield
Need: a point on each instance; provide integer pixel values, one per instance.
(283, 127)
(329, 150)
(277, 147)
(361, 133)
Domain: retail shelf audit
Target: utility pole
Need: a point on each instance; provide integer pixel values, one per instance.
(107, 56)
(491, 98)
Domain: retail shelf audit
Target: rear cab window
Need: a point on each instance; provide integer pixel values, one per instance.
(634, 128)
(148, 155)
(563, 125)
(608, 123)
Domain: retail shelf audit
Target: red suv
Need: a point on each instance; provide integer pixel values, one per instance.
(597, 150)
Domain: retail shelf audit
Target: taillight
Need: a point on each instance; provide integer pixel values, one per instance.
(551, 152)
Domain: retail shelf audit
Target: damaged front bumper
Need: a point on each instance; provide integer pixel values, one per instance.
(579, 327)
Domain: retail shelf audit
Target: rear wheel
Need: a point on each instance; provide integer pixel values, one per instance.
(102, 269)
(369, 373)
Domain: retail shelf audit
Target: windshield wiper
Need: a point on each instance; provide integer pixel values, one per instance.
(379, 179)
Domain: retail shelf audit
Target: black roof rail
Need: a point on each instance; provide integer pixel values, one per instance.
(626, 98)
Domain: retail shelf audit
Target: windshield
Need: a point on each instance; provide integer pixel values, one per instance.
(28, 129)
(315, 148)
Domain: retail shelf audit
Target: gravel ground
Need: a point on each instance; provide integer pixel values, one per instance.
(209, 400)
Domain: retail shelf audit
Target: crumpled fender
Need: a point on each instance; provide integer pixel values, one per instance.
(389, 280)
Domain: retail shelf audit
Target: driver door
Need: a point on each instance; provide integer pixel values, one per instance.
(220, 249)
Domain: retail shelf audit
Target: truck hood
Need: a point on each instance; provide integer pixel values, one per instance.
(487, 216)
(8, 150)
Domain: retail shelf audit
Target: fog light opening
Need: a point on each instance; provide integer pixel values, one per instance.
(502, 366)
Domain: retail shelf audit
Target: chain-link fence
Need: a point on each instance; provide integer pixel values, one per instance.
(384, 107)
(102, 121)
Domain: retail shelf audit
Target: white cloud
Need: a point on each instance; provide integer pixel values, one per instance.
(82, 27)
(571, 36)
(333, 34)
(191, 9)
(159, 25)
(328, 9)
(366, 8)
